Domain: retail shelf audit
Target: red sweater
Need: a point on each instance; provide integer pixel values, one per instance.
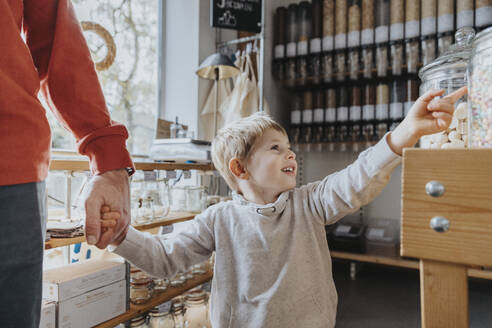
(55, 58)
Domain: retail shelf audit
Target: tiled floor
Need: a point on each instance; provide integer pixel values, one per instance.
(383, 297)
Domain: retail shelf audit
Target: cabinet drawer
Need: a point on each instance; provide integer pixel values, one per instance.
(466, 203)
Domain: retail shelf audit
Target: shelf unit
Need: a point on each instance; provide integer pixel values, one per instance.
(157, 299)
(173, 217)
(83, 165)
(401, 263)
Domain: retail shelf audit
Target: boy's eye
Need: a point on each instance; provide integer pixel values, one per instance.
(274, 147)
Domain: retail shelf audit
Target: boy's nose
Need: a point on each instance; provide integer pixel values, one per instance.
(291, 155)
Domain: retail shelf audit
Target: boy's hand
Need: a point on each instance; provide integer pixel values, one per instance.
(109, 220)
(427, 116)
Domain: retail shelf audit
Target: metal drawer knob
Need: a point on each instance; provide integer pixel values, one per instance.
(439, 224)
(434, 189)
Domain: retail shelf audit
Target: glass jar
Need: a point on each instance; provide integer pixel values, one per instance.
(480, 91)
(160, 284)
(141, 289)
(178, 280)
(178, 313)
(161, 316)
(162, 204)
(196, 198)
(139, 322)
(196, 315)
(448, 72)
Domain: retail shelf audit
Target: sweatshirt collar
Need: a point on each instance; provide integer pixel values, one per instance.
(274, 208)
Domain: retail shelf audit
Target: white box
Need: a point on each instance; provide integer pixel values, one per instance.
(63, 283)
(94, 307)
(48, 314)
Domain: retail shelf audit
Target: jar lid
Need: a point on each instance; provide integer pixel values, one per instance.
(455, 59)
(195, 295)
(483, 40)
(139, 281)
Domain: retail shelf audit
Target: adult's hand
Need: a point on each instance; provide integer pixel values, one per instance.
(108, 189)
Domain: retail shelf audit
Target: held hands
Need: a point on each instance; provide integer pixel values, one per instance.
(111, 189)
(427, 116)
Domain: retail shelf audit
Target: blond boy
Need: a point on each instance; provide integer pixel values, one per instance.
(273, 266)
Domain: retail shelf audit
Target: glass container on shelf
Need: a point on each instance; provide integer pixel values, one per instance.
(141, 289)
(291, 49)
(162, 203)
(382, 109)
(367, 38)
(369, 114)
(161, 316)
(280, 41)
(353, 37)
(178, 313)
(137, 187)
(196, 198)
(340, 39)
(483, 14)
(295, 123)
(397, 100)
(480, 90)
(139, 322)
(411, 94)
(178, 198)
(303, 42)
(196, 314)
(160, 284)
(445, 25)
(328, 40)
(307, 121)
(355, 117)
(412, 33)
(428, 30)
(464, 13)
(318, 119)
(314, 65)
(448, 72)
(330, 119)
(342, 118)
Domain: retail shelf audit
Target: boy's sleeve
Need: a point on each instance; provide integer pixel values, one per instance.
(344, 192)
(163, 256)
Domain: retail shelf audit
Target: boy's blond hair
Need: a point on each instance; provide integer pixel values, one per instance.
(236, 141)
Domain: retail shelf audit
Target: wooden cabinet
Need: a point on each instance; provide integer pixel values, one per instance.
(447, 224)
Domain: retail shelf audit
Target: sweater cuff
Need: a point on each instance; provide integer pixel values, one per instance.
(133, 238)
(106, 149)
(382, 156)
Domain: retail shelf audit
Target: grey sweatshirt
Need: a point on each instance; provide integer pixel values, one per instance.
(272, 263)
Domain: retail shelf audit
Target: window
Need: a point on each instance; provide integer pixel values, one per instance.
(130, 84)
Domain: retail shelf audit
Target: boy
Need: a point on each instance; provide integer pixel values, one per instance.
(272, 264)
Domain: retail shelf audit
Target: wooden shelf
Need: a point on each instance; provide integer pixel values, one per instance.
(83, 165)
(385, 260)
(401, 263)
(160, 298)
(172, 218)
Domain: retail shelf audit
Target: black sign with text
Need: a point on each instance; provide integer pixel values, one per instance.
(242, 15)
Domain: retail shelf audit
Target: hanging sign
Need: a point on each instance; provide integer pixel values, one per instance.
(242, 15)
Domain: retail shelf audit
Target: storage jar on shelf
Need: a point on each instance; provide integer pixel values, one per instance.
(480, 90)
(448, 72)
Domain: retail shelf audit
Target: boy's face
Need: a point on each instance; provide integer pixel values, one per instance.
(272, 165)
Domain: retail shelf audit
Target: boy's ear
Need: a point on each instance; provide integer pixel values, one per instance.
(238, 169)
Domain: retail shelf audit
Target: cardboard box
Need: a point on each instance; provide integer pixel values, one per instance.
(48, 314)
(93, 307)
(75, 279)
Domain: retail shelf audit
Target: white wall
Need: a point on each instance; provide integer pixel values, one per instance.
(180, 61)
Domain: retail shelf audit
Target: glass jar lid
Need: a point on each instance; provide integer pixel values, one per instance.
(483, 40)
(195, 295)
(455, 60)
(140, 281)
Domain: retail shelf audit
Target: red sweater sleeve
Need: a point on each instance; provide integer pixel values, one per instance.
(70, 84)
